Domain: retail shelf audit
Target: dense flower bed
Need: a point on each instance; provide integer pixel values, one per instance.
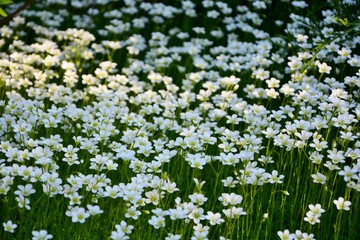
(180, 120)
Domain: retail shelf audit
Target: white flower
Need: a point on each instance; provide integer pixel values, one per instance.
(319, 178)
(171, 236)
(9, 226)
(316, 209)
(198, 198)
(295, 63)
(200, 232)
(261, 74)
(349, 173)
(94, 210)
(323, 67)
(196, 215)
(178, 213)
(118, 235)
(230, 199)
(41, 235)
(132, 212)
(306, 236)
(214, 218)
(25, 190)
(196, 160)
(344, 52)
(78, 214)
(341, 204)
(234, 212)
(274, 177)
(153, 197)
(271, 93)
(124, 227)
(229, 182)
(157, 221)
(23, 202)
(312, 218)
(285, 235)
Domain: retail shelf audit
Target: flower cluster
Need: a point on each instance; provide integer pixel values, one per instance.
(176, 119)
(286, 235)
(314, 214)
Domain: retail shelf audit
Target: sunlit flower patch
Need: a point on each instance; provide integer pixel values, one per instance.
(180, 120)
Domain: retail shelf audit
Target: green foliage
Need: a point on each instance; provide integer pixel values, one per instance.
(4, 2)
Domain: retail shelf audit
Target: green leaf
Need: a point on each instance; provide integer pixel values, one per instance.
(343, 21)
(5, 2)
(2, 13)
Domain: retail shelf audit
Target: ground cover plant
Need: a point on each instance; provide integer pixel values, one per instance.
(180, 120)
